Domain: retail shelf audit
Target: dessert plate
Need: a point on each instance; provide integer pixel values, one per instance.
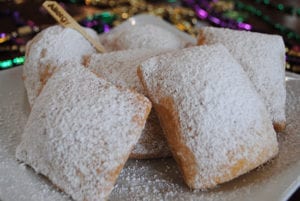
(147, 179)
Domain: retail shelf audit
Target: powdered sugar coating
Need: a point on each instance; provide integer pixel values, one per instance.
(48, 50)
(262, 56)
(80, 132)
(146, 179)
(142, 36)
(216, 124)
(120, 68)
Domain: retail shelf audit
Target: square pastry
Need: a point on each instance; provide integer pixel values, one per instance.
(120, 68)
(216, 124)
(81, 131)
(47, 51)
(262, 56)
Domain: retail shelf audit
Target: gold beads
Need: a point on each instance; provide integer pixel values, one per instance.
(183, 18)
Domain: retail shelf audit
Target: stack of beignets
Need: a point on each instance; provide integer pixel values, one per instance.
(215, 105)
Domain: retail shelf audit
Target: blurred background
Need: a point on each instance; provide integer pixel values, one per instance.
(20, 20)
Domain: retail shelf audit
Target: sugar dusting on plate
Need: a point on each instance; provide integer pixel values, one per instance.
(143, 179)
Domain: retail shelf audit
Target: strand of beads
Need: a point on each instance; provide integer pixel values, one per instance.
(205, 11)
(293, 53)
(100, 22)
(12, 62)
(286, 9)
(218, 12)
(23, 28)
(119, 11)
(283, 30)
(230, 14)
(183, 18)
(20, 32)
(15, 41)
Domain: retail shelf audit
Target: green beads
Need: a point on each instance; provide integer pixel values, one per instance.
(280, 7)
(235, 15)
(106, 17)
(283, 30)
(6, 64)
(18, 60)
(12, 62)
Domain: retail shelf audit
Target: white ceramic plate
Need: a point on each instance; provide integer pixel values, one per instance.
(147, 179)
